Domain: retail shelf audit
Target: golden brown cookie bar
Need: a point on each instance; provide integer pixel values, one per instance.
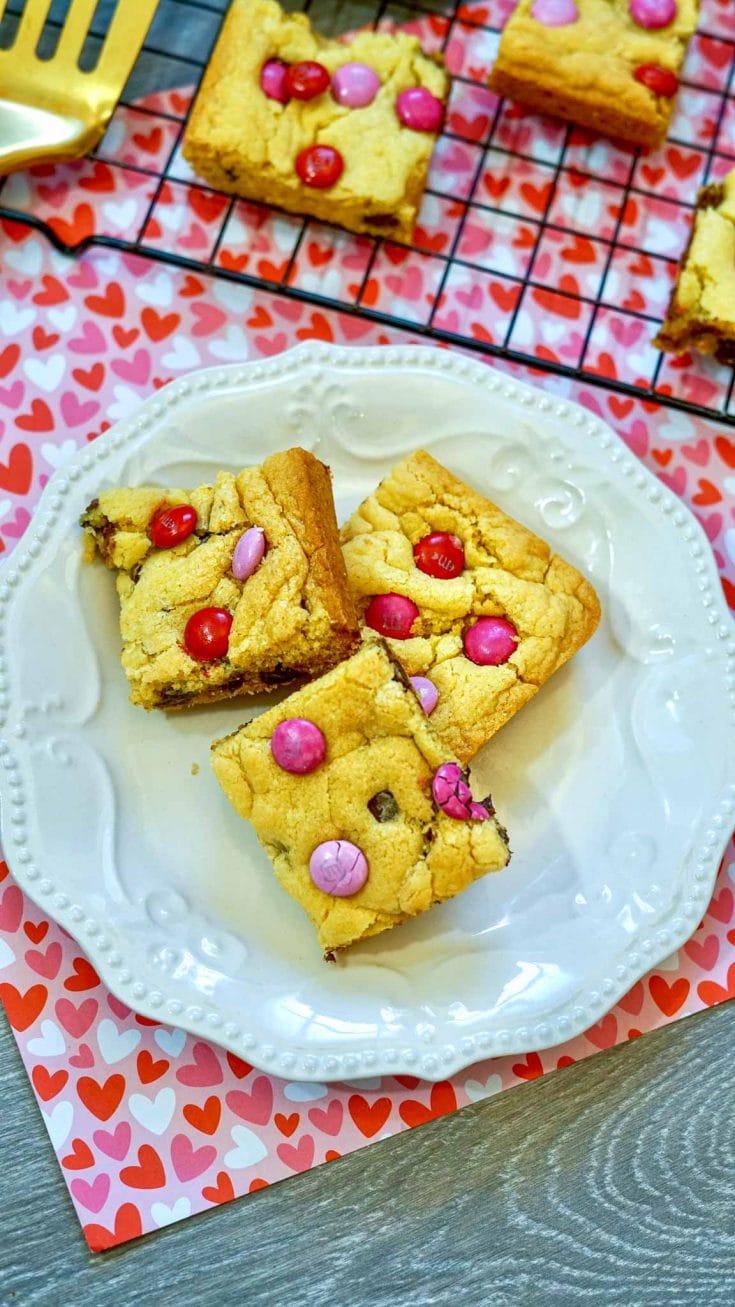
(590, 61)
(361, 836)
(242, 141)
(292, 616)
(497, 621)
(701, 313)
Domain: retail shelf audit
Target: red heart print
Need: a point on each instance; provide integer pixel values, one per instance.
(722, 905)
(442, 1100)
(8, 359)
(207, 1118)
(127, 1226)
(192, 286)
(408, 1082)
(205, 1070)
(619, 407)
(36, 931)
(158, 326)
(255, 1106)
(704, 954)
(684, 165)
(22, 1009)
(669, 997)
(726, 450)
(707, 493)
(85, 976)
(581, 250)
(318, 254)
(76, 1020)
(710, 992)
(663, 456)
(148, 1174)
(222, 1192)
(531, 1069)
(188, 1161)
(238, 1067)
(287, 1124)
(633, 1001)
(78, 229)
(320, 328)
(604, 1033)
(563, 306)
(90, 378)
(80, 1158)
(495, 186)
(537, 196)
(43, 339)
(45, 964)
(4, 872)
(149, 1069)
(102, 1100)
(114, 1145)
(506, 297)
(100, 179)
(38, 419)
(298, 1158)
(46, 1085)
(111, 304)
(207, 205)
(328, 1120)
(368, 1117)
(53, 292)
(11, 909)
(232, 262)
(472, 129)
(208, 319)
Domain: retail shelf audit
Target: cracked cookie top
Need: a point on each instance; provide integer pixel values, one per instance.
(487, 637)
(365, 819)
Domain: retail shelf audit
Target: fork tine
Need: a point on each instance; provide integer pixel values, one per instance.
(125, 36)
(75, 29)
(31, 25)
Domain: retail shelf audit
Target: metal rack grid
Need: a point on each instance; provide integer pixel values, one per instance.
(168, 60)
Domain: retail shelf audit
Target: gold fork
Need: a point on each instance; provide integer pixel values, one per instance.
(50, 108)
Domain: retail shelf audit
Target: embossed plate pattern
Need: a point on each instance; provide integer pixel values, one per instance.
(616, 782)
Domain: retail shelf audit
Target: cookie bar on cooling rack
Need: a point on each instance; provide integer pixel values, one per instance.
(612, 65)
(340, 130)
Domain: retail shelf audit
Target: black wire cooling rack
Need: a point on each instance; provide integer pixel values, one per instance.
(703, 141)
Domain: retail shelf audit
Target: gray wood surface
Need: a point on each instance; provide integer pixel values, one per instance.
(610, 1182)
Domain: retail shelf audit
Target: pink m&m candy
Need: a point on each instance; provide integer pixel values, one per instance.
(273, 80)
(392, 615)
(555, 13)
(298, 746)
(451, 792)
(338, 867)
(491, 641)
(478, 812)
(248, 553)
(653, 13)
(427, 692)
(418, 109)
(355, 85)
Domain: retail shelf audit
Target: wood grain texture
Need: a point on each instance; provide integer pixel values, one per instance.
(611, 1182)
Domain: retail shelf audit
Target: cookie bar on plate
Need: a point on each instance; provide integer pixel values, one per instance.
(612, 65)
(227, 589)
(478, 610)
(701, 314)
(342, 131)
(366, 817)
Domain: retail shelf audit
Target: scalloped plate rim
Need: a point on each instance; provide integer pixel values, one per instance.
(334, 1066)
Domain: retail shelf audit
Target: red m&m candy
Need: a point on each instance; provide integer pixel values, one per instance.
(319, 166)
(392, 615)
(440, 554)
(207, 634)
(171, 524)
(306, 80)
(659, 80)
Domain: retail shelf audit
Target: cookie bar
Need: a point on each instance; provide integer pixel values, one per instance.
(701, 313)
(227, 589)
(366, 817)
(474, 606)
(612, 65)
(339, 130)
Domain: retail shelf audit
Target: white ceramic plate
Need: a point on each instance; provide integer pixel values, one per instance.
(615, 782)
